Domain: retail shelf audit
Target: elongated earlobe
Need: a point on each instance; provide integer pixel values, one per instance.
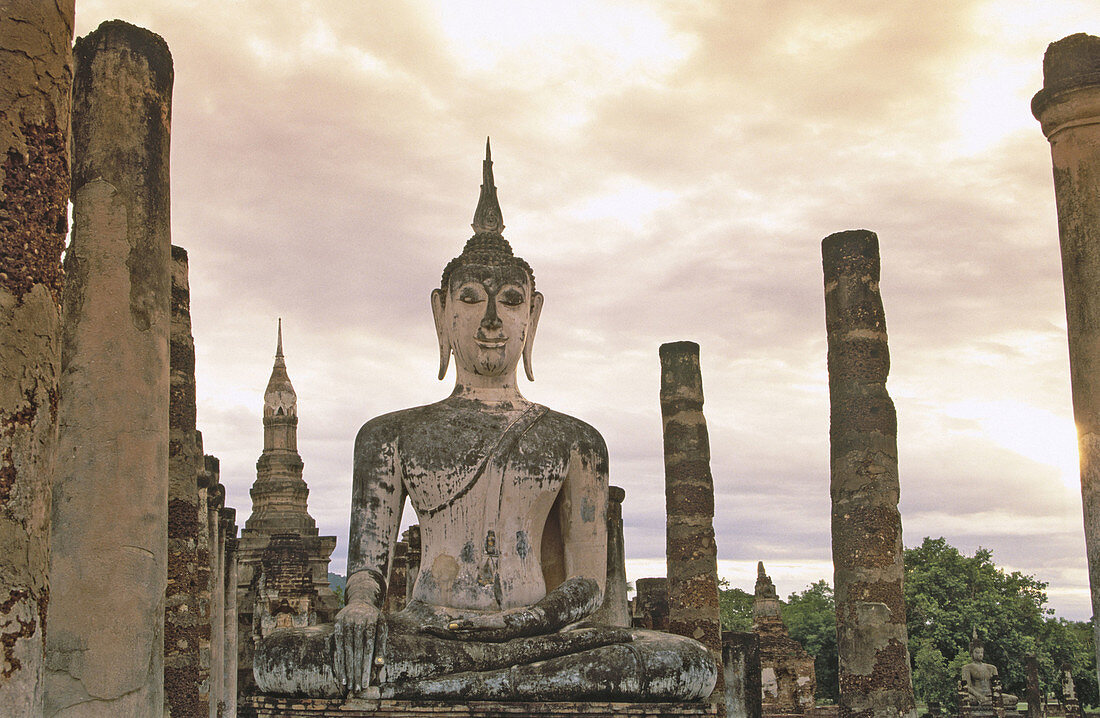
(441, 332)
(529, 340)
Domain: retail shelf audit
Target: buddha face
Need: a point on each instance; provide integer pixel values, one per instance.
(486, 318)
(977, 653)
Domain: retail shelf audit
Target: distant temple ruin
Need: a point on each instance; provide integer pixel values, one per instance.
(282, 575)
(787, 673)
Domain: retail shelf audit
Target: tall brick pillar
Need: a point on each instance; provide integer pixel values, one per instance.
(689, 502)
(104, 647)
(1068, 109)
(867, 551)
(34, 188)
(181, 639)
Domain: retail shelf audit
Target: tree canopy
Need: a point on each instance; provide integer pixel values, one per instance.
(949, 596)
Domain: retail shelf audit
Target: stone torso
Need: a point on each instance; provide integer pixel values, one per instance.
(482, 522)
(979, 679)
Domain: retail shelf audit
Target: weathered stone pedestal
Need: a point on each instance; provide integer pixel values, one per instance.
(270, 707)
(1068, 108)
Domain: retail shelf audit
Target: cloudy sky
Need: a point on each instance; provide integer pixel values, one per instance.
(669, 170)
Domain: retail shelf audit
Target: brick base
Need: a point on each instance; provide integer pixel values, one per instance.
(273, 707)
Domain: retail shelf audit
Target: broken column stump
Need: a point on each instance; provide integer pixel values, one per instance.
(1068, 109)
(650, 605)
(104, 648)
(34, 189)
(872, 643)
(615, 609)
(741, 666)
(689, 502)
(1034, 694)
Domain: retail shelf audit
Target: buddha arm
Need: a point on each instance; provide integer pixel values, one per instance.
(582, 507)
(377, 499)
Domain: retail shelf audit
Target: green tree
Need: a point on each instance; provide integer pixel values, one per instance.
(811, 620)
(932, 679)
(949, 596)
(735, 607)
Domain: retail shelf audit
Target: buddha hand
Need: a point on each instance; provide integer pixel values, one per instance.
(355, 634)
(497, 627)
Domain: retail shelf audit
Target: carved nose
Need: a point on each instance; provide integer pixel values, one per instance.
(490, 320)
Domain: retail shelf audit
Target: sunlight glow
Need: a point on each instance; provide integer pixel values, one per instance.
(1036, 434)
(613, 40)
(627, 202)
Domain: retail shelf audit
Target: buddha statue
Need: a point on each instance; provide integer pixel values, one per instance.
(978, 681)
(511, 500)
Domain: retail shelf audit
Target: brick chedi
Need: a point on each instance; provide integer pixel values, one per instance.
(280, 539)
(787, 673)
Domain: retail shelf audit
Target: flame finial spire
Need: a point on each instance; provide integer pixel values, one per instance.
(487, 216)
(279, 345)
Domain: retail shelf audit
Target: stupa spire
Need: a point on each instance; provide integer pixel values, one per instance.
(487, 216)
(279, 397)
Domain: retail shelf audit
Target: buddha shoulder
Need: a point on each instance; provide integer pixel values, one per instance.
(445, 424)
(568, 431)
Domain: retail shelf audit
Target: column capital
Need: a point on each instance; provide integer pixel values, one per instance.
(1071, 85)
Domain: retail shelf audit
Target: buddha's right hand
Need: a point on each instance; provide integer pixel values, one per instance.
(356, 628)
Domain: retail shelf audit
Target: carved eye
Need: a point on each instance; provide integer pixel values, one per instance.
(511, 298)
(468, 296)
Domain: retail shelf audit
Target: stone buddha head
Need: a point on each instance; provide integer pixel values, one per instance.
(486, 309)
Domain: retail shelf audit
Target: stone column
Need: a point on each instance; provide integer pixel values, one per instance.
(181, 640)
(217, 600)
(651, 604)
(741, 668)
(615, 610)
(397, 588)
(105, 646)
(207, 480)
(412, 559)
(1068, 108)
(34, 189)
(230, 671)
(1034, 694)
(867, 549)
(689, 502)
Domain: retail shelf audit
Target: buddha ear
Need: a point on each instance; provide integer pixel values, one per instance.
(441, 332)
(529, 340)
